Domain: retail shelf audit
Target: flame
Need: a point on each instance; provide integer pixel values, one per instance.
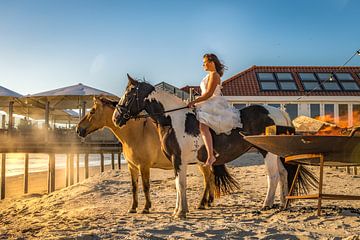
(341, 127)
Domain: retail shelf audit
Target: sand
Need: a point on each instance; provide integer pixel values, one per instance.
(96, 208)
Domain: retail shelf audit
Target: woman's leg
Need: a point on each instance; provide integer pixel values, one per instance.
(206, 135)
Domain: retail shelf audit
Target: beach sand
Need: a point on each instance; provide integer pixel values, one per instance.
(96, 208)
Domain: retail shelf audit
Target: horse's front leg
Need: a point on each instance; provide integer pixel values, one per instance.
(283, 182)
(273, 179)
(208, 194)
(145, 177)
(134, 172)
(180, 181)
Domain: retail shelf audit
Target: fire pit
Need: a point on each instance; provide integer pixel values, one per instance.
(317, 150)
(337, 150)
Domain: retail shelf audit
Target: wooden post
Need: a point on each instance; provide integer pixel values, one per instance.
(83, 109)
(11, 120)
(86, 165)
(67, 170)
(292, 186)
(355, 170)
(102, 162)
(71, 169)
(47, 118)
(348, 170)
(112, 161)
(77, 167)
(119, 160)
(320, 184)
(2, 186)
(26, 174)
(3, 121)
(51, 182)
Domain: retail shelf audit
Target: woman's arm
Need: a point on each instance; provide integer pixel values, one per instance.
(213, 81)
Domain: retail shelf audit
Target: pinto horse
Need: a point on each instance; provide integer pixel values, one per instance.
(180, 137)
(141, 146)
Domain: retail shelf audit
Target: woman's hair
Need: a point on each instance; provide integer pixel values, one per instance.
(220, 68)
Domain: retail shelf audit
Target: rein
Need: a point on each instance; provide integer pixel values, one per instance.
(156, 114)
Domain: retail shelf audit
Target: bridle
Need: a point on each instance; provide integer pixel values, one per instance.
(125, 111)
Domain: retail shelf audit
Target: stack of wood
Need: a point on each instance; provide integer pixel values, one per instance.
(310, 126)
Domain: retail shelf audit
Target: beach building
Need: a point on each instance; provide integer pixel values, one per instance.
(314, 91)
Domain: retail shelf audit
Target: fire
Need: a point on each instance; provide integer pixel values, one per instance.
(341, 128)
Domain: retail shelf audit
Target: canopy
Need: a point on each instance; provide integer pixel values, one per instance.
(71, 97)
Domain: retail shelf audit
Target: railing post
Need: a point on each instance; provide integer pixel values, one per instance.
(26, 174)
(86, 165)
(71, 169)
(102, 162)
(112, 161)
(2, 185)
(355, 170)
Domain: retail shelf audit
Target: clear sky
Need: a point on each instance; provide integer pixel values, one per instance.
(55, 43)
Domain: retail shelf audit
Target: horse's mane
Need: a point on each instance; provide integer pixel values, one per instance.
(107, 101)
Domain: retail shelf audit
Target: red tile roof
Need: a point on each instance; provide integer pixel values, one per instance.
(245, 83)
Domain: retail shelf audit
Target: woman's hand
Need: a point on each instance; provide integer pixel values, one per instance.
(191, 104)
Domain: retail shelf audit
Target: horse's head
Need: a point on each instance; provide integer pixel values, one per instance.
(97, 118)
(132, 102)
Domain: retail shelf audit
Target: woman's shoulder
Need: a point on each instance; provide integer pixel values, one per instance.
(214, 74)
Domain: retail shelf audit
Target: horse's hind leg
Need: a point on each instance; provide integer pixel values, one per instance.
(273, 179)
(145, 177)
(134, 172)
(208, 194)
(283, 182)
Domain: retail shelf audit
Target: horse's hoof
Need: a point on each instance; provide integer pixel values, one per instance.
(145, 211)
(265, 208)
(201, 207)
(180, 215)
(132, 210)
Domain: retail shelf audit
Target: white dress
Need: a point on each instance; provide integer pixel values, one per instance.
(216, 112)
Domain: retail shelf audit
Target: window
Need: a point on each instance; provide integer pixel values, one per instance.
(314, 110)
(356, 115)
(343, 115)
(277, 81)
(292, 110)
(347, 82)
(310, 82)
(277, 105)
(329, 82)
(239, 105)
(329, 113)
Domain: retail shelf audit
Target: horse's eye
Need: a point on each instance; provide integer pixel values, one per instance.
(92, 111)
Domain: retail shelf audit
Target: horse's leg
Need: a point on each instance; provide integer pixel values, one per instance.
(208, 194)
(283, 182)
(134, 171)
(180, 181)
(204, 198)
(145, 177)
(273, 179)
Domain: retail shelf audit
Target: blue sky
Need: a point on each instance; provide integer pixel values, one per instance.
(55, 43)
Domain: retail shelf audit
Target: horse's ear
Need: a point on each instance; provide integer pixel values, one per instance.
(131, 80)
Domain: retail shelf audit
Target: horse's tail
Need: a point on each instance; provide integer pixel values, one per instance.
(305, 181)
(224, 182)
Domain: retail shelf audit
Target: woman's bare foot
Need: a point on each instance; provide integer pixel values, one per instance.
(210, 161)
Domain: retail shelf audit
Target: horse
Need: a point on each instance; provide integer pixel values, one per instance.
(138, 134)
(180, 137)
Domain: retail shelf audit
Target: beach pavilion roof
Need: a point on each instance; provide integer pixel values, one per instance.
(71, 97)
(7, 95)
